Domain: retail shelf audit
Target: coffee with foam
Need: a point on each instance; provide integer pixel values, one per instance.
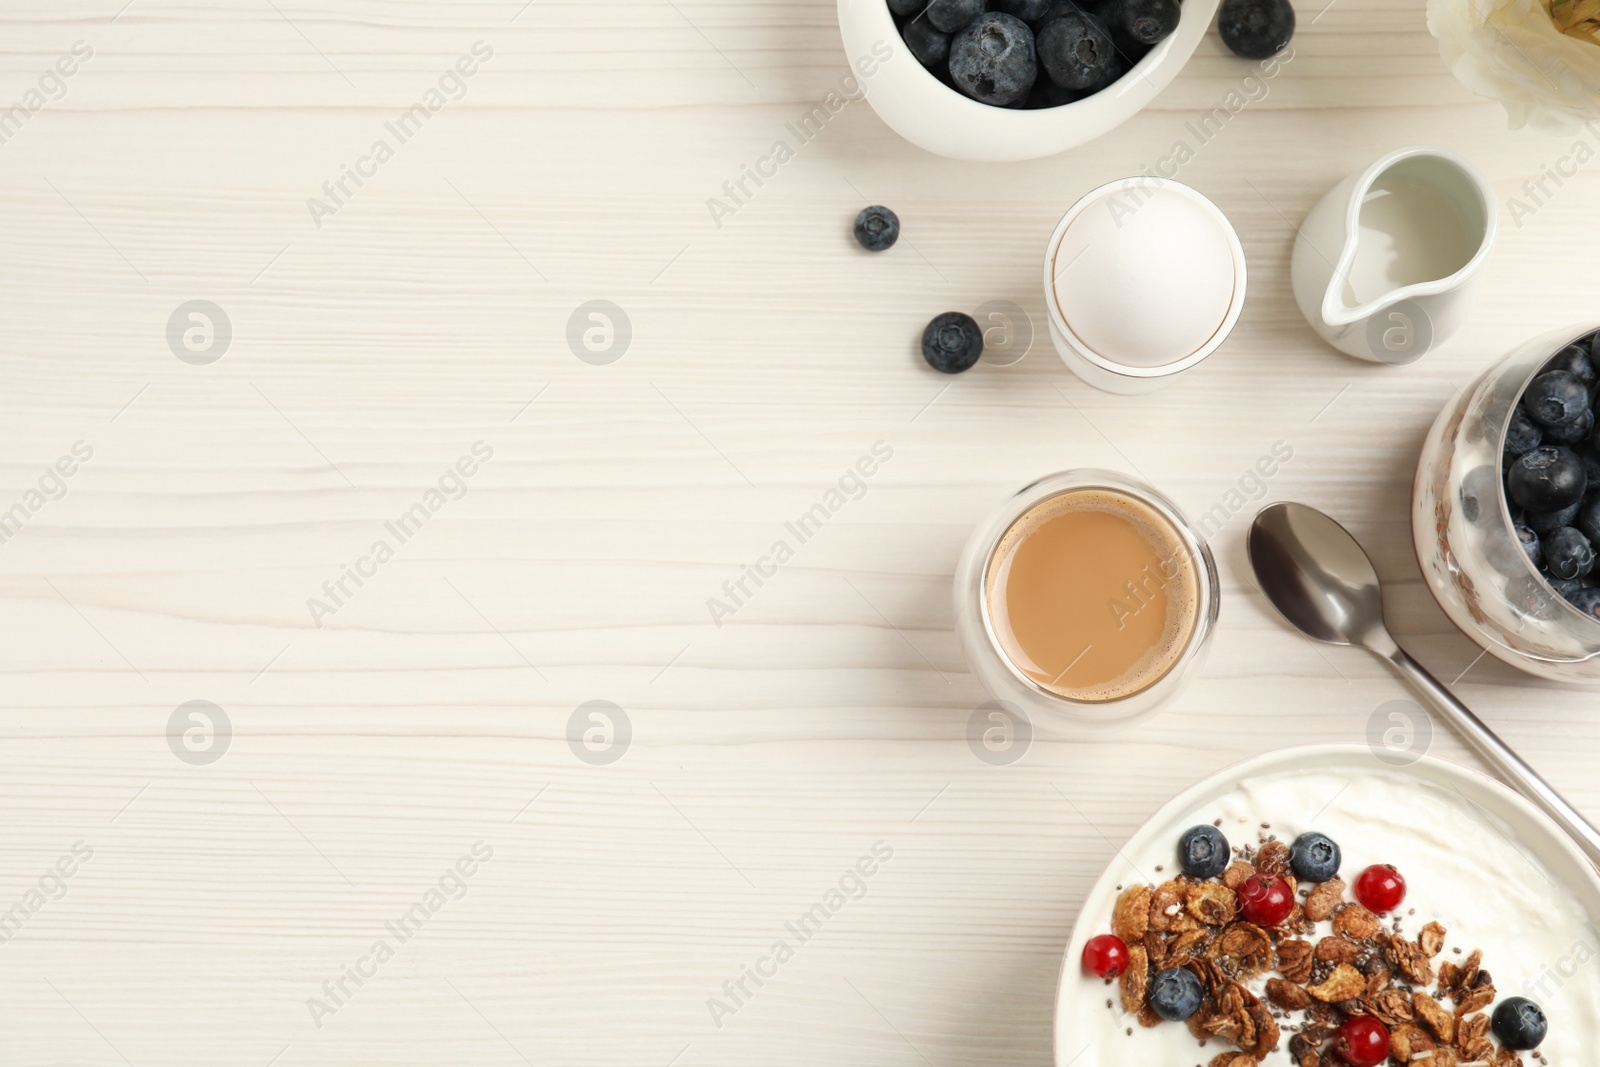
(1093, 595)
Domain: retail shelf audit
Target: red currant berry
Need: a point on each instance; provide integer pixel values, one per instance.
(1105, 956)
(1363, 1042)
(1266, 899)
(1380, 888)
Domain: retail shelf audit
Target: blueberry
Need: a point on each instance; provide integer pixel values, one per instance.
(1570, 433)
(1256, 29)
(906, 7)
(1142, 22)
(952, 342)
(1530, 544)
(1522, 434)
(992, 60)
(1569, 589)
(1203, 852)
(1063, 7)
(1026, 10)
(954, 15)
(1480, 488)
(1130, 53)
(1588, 520)
(1098, 8)
(1586, 601)
(1548, 478)
(1519, 1024)
(877, 228)
(1076, 50)
(1176, 994)
(1508, 555)
(1574, 360)
(1543, 522)
(1118, 68)
(1555, 397)
(931, 46)
(1567, 553)
(1046, 93)
(1314, 858)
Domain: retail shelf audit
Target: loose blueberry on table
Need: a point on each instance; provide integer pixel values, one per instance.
(1551, 465)
(952, 342)
(877, 228)
(1256, 29)
(1037, 53)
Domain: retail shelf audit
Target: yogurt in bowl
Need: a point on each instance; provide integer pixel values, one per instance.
(1492, 888)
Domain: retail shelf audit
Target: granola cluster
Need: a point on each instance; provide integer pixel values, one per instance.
(1433, 1008)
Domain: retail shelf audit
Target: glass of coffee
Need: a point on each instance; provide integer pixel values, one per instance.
(1088, 595)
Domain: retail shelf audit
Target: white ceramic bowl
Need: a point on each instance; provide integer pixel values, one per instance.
(1533, 831)
(930, 114)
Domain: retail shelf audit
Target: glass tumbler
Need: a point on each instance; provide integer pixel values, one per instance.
(1466, 543)
(984, 650)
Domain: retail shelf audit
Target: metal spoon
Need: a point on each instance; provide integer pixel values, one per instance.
(1317, 576)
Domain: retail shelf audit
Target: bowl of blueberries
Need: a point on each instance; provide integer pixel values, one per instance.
(1506, 508)
(1003, 80)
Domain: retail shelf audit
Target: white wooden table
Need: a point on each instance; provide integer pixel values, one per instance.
(430, 709)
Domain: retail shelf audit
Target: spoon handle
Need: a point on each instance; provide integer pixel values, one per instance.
(1499, 755)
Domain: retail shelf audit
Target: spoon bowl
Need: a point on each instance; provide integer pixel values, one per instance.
(1317, 576)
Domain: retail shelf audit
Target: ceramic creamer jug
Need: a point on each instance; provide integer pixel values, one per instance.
(1385, 265)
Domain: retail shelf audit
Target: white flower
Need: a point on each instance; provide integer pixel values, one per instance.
(1512, 51)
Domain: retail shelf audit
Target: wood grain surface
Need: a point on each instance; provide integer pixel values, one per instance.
(369, 749)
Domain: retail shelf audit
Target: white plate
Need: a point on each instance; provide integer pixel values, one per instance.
(1529, 827)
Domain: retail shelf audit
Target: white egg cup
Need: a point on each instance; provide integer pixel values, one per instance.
(1112, 375)
(928, 113)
